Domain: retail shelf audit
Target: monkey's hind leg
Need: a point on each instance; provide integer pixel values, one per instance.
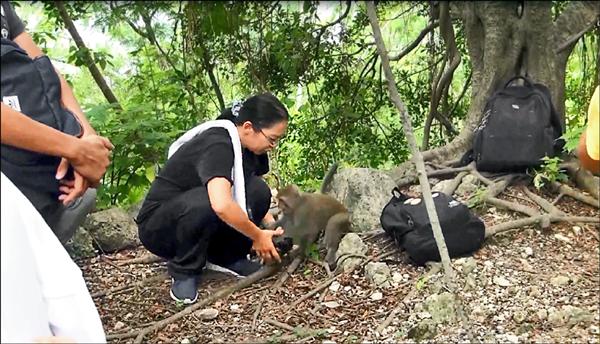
(337, 226)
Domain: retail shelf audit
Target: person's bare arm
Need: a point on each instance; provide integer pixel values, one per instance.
(219, 194)
(21, 131)
(89, 156)
(68, 100)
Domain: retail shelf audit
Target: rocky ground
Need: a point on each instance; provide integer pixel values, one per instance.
(524, 285)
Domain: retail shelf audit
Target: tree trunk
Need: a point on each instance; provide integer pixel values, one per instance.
(504, 40)
(96, 74)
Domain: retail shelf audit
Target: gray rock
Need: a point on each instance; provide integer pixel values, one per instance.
(364, 192)
(442, 307)
(519, 316)
(112, 229)
(426, 329)
(439, 187)
(351, 244)
(81, 245)
(576, 316)
(468, 186)
(207, 313)
(378, 274)
(468, 264)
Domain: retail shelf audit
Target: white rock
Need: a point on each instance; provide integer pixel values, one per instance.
(562, 238)
(235, 308)
(335, 286)
(128, 316)
(185, 341)
(376, 296)
(501, 281)
(511, 338)
(119, 325)
(528, 252)
(331, 304)
(559, 281)
(347, 288)
(397, 277)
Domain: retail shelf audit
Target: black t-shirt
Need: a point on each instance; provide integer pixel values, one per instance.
(206, 156)
(12, 26)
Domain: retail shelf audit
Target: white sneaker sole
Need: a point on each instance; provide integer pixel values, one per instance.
(184, 301)
(214, 267)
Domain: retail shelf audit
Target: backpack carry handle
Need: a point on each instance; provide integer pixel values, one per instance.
(525, 79)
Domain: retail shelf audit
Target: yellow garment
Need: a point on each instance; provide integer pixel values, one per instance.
(592, 134)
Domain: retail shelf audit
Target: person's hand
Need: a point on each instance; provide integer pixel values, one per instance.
(71, 189)
(263, 245)
(90, 158)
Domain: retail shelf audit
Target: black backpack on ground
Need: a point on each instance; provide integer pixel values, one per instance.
(519, 127)
(406, 221)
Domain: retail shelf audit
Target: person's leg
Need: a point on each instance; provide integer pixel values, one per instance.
(67, 219)
(228, 246)
(179, 230)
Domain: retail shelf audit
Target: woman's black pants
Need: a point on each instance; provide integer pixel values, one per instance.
(186, 231)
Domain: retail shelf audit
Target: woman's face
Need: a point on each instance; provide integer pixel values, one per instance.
(261, 141)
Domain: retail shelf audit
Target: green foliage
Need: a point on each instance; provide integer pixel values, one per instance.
(477, 200)
(571, 137)
(162, 60)
(549, 172)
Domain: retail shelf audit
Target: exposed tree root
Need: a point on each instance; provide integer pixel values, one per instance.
(569, 191)
(547, 206)
(450, 188)
(534, 220)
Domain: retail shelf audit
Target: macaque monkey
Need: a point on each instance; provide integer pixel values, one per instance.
(305, 215)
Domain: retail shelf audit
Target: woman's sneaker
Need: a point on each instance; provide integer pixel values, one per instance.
(239, 268)
(184, 290)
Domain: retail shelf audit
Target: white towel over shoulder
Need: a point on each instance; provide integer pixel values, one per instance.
(237, 172)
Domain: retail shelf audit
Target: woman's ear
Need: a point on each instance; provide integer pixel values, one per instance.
(247, 125)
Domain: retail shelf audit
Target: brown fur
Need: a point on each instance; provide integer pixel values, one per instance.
(305, 215)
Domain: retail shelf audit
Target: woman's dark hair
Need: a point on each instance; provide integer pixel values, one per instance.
(262, 110)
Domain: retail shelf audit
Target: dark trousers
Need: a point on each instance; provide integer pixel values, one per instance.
(186, 231)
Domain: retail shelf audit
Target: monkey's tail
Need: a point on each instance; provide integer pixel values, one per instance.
(329, 177)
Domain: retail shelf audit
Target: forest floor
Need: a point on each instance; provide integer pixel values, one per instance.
(528, 285)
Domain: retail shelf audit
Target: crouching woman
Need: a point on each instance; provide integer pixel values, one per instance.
(209, 198)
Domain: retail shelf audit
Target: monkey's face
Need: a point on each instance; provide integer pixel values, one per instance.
(286, 198)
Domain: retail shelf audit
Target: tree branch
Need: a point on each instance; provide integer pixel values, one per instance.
(416, 42)
(573, 22)
(87, 56)
(408, 133)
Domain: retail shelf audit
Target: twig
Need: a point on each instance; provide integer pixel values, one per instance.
(145, 259)
(318, 305)
(290, 270)
(560, 195)
(306, 296)
(114, 290)
(536, 219)
(259, 308)
(279, 324)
